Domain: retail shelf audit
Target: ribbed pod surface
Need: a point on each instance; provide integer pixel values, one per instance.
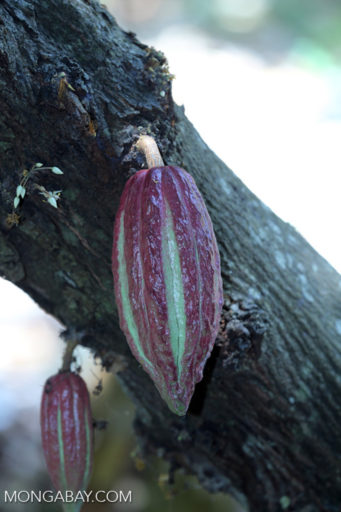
(67, 431)
(167, 279)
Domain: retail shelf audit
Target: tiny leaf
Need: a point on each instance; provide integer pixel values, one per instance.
(52, 202)
(38, 165)
(16, 201)
(21, 191)
(56, 170)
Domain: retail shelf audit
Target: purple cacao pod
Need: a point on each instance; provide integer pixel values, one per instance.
(167, 279)
(67, 432)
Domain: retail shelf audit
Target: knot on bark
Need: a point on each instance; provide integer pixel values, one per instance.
(243, 325)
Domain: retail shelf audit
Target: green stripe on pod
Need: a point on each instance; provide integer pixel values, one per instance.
(124, 292)
(174, 290)
(61, 448)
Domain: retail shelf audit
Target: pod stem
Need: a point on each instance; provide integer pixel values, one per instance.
(68, 355)
(148, 147)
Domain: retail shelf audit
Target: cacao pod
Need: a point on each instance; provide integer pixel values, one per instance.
(67, 432)
(167, 280)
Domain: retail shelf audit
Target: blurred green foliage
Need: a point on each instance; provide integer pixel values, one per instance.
(119, 465)
(274, 23)
(312, 19)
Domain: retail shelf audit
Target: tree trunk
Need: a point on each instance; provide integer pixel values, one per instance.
(264, 424)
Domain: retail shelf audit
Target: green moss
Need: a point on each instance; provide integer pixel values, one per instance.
(285, 502)
(70, 194)
(68, 235)
(4, 146)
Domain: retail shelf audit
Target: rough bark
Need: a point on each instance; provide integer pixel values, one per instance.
(264, 424)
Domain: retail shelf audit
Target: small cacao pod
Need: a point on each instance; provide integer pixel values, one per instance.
(167, 280)
(67, 432)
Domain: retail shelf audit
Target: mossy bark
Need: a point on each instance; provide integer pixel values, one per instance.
(264, 424)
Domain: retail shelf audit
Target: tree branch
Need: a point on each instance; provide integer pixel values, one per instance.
(76, 93)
